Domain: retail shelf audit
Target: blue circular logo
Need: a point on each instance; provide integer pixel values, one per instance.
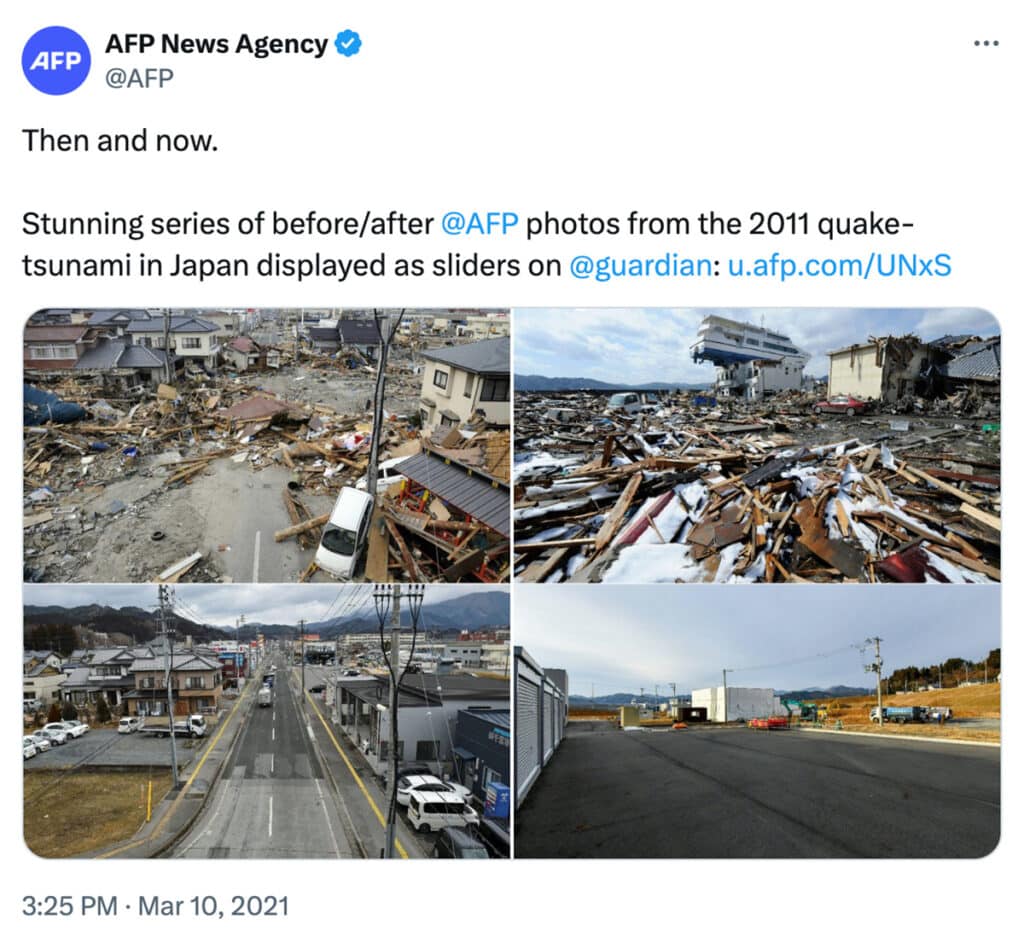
(56, 60)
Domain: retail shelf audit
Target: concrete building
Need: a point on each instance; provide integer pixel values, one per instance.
(743, 703)
(428, 707)
(885, 369)
(541, 710)
(460, 381)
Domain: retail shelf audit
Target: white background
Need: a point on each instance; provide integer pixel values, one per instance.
(836, 108)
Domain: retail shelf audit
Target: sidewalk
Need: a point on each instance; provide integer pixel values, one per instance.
(357, 786)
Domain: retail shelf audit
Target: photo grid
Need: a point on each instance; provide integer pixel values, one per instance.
(250, 537)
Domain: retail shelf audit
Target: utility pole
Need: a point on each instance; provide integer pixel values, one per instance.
(386, 326)
(164, 595)
(876, 667)
(167, 346)
(302, 645)
(725, 695)
(383, 598)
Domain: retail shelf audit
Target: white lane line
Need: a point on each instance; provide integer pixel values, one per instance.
(273, 733)
(270, 825)
(327, 817)
(271, 763)
(256, 559)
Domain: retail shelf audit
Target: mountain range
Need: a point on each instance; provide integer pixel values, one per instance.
(804, 694)
(542, 383)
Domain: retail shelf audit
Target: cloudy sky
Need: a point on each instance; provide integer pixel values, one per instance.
(622, 638)
(634, 346)
(223, 604)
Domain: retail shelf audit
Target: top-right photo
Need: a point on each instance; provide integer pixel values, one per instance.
(757, 445)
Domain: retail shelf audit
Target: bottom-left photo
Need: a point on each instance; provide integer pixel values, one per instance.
(265, 721)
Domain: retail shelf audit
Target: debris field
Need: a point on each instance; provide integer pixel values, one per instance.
(753, 492)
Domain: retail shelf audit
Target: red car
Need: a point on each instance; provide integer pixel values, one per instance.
(843, 405)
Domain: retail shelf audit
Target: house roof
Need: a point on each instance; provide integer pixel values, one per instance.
(358, 332)
(62, 333)
(243, 344)
(118, 354)
(472, 492)
(487, 357)
(186, 661)
(322, 333)
(113, 317)
(497, 718)
(981, 362)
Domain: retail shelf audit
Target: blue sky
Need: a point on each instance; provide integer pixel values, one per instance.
(622, 638)
(222, 604)
(633, 346)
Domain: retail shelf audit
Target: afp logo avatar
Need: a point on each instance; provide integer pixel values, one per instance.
(56, 60)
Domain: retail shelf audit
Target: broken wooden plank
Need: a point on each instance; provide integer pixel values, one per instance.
(614, 520)
(989, 520)
(301, 527)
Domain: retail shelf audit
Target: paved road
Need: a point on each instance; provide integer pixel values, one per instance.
(244, 545)
(272, 800)
(739, 793)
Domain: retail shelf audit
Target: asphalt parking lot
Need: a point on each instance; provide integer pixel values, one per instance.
(731, 792)
(104, 747)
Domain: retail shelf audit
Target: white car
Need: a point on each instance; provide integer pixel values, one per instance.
(345, 533)
(386, 475)
(28, 748)
(42, 743)
(78, 727)
(55, 737)
(65, 727)
(428, 782)
(128, 725)
(432, 811)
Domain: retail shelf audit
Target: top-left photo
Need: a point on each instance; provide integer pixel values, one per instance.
(266, 445)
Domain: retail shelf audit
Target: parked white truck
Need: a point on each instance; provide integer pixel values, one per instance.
(265, 697)
(192, 726)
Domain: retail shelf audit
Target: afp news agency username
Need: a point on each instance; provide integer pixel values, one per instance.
(873, 266)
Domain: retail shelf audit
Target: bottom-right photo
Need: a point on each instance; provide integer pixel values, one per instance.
(732, 722)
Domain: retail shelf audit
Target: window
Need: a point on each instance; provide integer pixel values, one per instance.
(52, 352)
(467, 392)
(191, 342)
(495, 390)
(195, 682)
(441, 378)
(428, 750)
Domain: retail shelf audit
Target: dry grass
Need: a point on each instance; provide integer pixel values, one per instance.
(978, 701)
(82, 812)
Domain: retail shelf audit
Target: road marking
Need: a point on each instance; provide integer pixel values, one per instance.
(272, 762)
(256, 559)
(359, 783)
(327, 817)
(188, 783)
(270, 823)
(273, 734)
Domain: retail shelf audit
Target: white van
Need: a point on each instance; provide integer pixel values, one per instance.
(625, 401)
(128, 725)
(345, 533)
(431, 810)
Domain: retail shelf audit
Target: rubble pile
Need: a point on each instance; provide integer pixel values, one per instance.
(690, 490)
(128, 456)
(447, 520)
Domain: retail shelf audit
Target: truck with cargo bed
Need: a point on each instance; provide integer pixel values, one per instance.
(907, 715)
(194, 725)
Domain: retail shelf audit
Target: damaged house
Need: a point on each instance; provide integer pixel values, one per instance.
(884, 370)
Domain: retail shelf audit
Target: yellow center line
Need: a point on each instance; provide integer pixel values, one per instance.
(188, 783)
(355, 776)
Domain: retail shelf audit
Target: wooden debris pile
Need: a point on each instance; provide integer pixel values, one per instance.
(678, 495)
